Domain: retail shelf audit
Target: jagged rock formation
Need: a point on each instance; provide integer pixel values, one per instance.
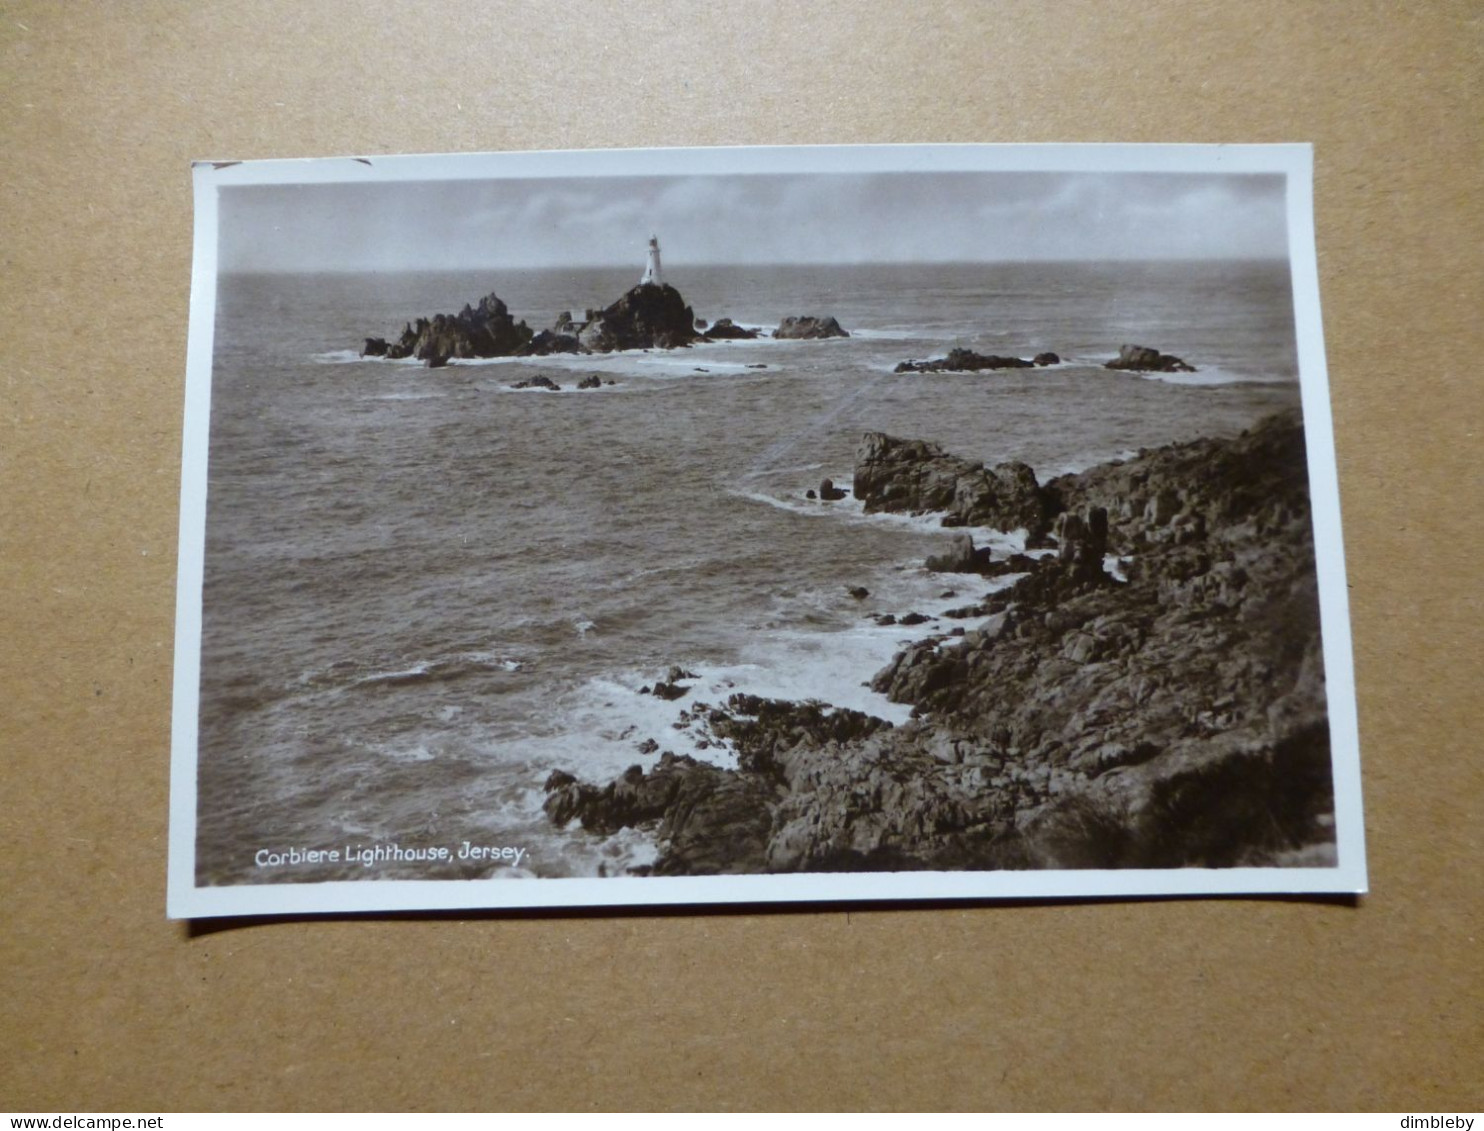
(915, 477)
(646, 317)
(808, 326)
(486, 330)
(1174, 719)
(1144, 359)
(964, 557)
(717, 821)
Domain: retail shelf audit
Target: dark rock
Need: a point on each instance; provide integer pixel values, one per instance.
(646, 317)
(811, 494)
(912, 618)
(558, 779)
(859, 592)
(537, 383)
(547, 342)
(915, 477)
(963, 557)
(677, 673)
(1176, 720)
(648, 746)
(1142, 358)
(725, 329)
(670, 691)
(808, 326)
(436, 360)
(709, 821)
(829, 492)
(778, 725)
(962, 361)
(486, 330)
(886, 619)
(374, 347)
(1044, 359)
(591, 382)
(758, 365)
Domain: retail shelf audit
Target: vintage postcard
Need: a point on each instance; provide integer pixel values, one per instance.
(747, 525)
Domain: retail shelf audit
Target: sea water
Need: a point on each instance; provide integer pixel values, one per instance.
(424, 591)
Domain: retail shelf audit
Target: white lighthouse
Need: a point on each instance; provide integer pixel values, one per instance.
(652, 264)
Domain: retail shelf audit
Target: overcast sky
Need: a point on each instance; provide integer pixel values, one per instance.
(848, 218)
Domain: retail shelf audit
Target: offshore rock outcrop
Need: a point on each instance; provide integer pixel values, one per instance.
(967, 361)
(724, 329)
(918, 477)
(1144, 359)
(646, 317)
(1172, 719)
(808, 326)
(486, 330)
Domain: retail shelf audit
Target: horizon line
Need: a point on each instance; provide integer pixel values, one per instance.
(671, 268)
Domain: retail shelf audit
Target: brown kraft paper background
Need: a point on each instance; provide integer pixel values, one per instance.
(1225, 1003)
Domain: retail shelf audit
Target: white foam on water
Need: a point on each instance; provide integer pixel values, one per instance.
(1215, 377)
(1204, 376)
(765, 472)
(340, 357)
(870, 335)
(600, 726)
(417, 670)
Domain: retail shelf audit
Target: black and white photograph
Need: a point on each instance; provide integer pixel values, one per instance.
(705, 526)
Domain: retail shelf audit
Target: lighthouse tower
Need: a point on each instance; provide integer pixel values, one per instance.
(652, 264)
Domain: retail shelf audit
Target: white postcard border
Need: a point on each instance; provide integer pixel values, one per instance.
(187, 900)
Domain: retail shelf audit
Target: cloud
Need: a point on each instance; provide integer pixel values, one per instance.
(752, 219)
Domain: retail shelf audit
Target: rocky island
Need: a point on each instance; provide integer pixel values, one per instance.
(1146, 360)
(967, 361)
(1149, 695)
(651, 315)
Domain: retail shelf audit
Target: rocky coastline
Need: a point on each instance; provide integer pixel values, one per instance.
(1148, 693)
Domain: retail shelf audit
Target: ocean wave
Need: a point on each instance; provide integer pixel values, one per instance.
(1215, 377)
(434, 669)
(340, 357)
(914, 334)
(1209, 375)
(612, 722)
